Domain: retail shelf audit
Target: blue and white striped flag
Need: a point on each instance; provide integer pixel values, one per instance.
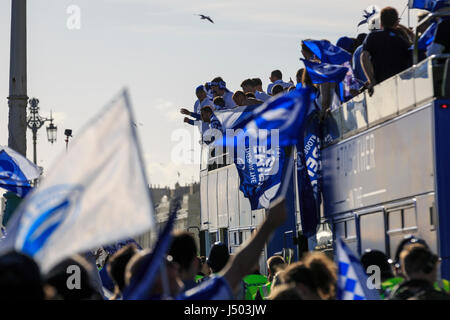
(352, 280)
(16, 172)
(95, 194)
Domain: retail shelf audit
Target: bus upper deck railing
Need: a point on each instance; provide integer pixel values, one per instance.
(416, 86)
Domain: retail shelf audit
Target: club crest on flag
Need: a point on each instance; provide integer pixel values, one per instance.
(47, 210)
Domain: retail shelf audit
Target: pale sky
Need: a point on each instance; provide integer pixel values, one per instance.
(161, 51)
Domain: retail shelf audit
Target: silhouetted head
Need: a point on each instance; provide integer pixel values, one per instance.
(72, 279)
(218, 257)
(20, 278)
(117, 264)
(379, 259)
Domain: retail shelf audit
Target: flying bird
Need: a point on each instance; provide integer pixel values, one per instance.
(203, 17)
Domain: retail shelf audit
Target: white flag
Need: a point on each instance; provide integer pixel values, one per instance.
(95, 194)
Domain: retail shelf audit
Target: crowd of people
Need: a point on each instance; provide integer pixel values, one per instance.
(412, 275)
(376, 56)
(382, 53)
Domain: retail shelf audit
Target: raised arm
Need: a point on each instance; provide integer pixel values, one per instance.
(240, 265)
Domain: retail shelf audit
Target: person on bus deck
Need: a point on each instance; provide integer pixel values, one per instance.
(277, 89)
(274, 264)
(276, 77)
(299, 77)
(219, 88)
(241, 99)
(183, 250)
(441, 43)
(326, 97)
(420, 266)
(250, 86)
(385, 52)
(258, 90)
(202, 100)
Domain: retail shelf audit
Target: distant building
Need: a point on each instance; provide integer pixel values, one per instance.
(188, 216)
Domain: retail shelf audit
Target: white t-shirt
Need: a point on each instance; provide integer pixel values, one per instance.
(280, 82)
(228, 97)
(261, 96)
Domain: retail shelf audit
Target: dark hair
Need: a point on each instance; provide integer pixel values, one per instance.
(305, 47)
(20, 278)
(277, 74)
(183, 249)
(219, 101)
(274, 262)
(118, 263)
(58, 278)
(277, 89)
(360, 39)
(409, 239)
(257, 82)
(247, 82)
(389, 17)
(324, 273)
(217, 79)
(250, 95)
(298, 273)
(285, 292)
(218, 257)
(239, 93)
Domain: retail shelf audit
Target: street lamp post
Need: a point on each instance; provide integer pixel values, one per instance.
(35, 122)
(17, 99)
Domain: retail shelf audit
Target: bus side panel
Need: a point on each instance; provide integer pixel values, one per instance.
(390, 162)
(442, 172)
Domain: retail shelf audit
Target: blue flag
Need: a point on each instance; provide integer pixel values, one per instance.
(257, 143)
(324, 72)
(352, 280)
(429, 5)
(141, 283)
(308, 174)
(16, 172)
(326, 52)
